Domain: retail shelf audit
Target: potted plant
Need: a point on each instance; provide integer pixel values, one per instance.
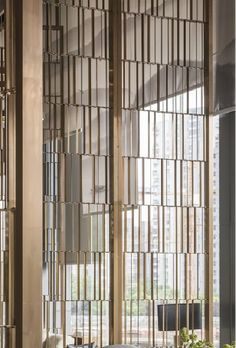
(232, 345)
(191, 340)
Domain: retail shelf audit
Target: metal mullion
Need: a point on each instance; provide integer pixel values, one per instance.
(95, 176)
(83, 109)
(203, 25)
(90, 103)
(148, 38)
(158, 87)
(149, 229)
(195, 231)
(142, 42)
(50, 26)
(78, 274)
(168, 43)
(143, 181)
(191, 10)
(83, 324)
(159, 229)
(161, 42)
(97, 102)
(131, 300)
(209, 169)
(188, 229)
(107, 161)
(50, 255)
(74, 79)
(200, 187)
(124, 103)
(104, 273)
(101, 296)
(175, 183)
(93, 34)
(125, 321)
(149, 135)
(63, 301)
(196, 38)
(157, 8)
(184, 41)
(138, 278)
(128, 6)
(101, 331)
(129, 84)
(47, 304)
(144, 276)
(52, 133)
(83, 34)
(105, 36)
(135, 38)
(163, 228)
(53, 252)
(2, 168)
(139, 229)
(166, 183)
(57, 291)
(85, 275)
(177, 275)
(54, 80)
(124, 257)
(78, 31)
(187, 285)
(94, 276)
(129, 181)
(154, 135)
(162, 182)
(165, 334)
(124, 36)
(153, 302)
(132, 230)
(192, 182)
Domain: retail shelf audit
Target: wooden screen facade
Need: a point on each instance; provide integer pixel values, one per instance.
(126, 168)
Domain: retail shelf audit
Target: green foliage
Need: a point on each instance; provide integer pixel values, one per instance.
(232, 345)
(192, 341)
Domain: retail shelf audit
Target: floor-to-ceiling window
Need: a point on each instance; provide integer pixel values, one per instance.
(164, 160)
(165, 166)
(77, 204)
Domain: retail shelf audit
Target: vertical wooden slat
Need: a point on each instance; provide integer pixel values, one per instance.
(10, 170)
(116, 171)
(209, 169)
